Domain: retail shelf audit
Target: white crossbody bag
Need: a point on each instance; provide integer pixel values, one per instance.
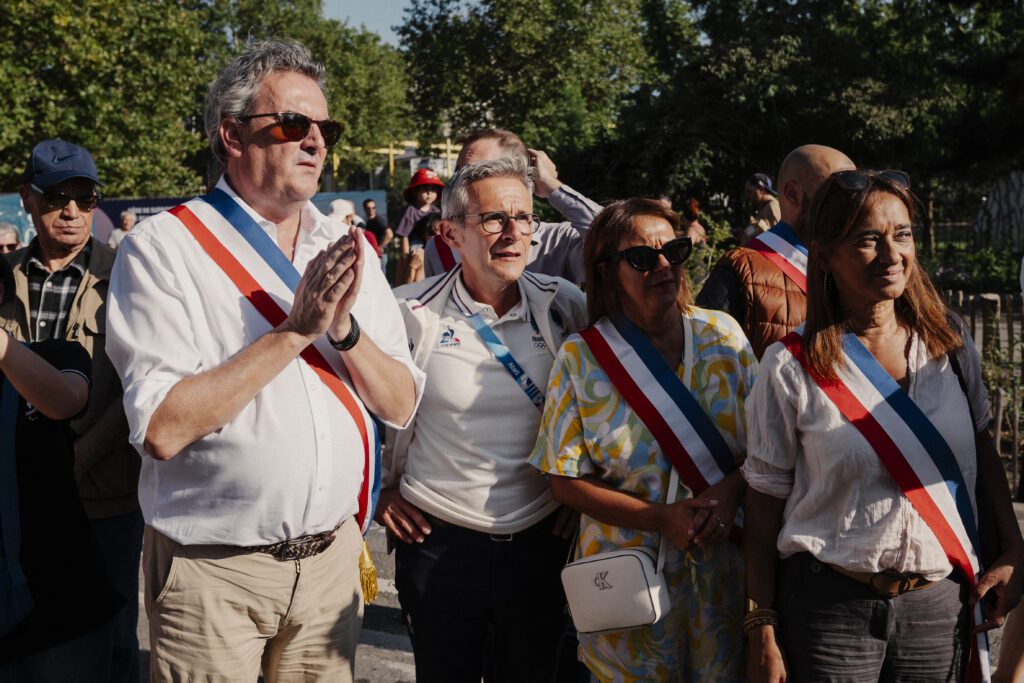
(619, 589)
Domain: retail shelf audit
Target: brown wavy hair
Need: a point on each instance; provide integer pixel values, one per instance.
(609, 227)
(835, 212)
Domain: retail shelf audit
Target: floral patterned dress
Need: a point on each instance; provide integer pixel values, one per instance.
(589, 429)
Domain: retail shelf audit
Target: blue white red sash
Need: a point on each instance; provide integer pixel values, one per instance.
(267, 279)
(666, 405)
(914, 453)
(781, 246)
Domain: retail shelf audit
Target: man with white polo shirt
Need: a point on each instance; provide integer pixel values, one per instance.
(256, 339)
(479, 536)
(555, 248)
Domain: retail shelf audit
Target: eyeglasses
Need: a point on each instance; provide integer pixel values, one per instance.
(292, 126)
(495, 222)
(646, 258)
(54, 200)
(859, 180)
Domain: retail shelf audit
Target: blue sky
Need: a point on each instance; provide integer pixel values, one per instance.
(377, 15)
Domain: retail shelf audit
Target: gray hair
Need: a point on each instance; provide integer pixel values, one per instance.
(455, 198)
(238, 83)
(128, 212)
(6, 228)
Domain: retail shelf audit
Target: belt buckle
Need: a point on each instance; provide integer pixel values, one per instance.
(501, 538)
(897, 583)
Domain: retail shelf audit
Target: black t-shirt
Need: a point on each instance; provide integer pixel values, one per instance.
(377, 226)
(71, 594)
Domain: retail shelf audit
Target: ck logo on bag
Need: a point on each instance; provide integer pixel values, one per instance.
(601, 581)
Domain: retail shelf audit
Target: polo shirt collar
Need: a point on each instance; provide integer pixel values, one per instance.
(80, 262)
(311, 221)
(467, 306)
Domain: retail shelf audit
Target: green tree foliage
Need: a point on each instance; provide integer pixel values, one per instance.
(127, 81)
(689, 98)
(115, 77)
(556, 71)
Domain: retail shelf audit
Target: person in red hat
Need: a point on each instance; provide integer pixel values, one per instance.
(422, 194)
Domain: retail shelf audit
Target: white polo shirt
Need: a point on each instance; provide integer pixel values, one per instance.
(475, 426)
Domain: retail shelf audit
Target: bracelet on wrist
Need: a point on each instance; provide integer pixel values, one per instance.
(760, 617)
(350, 340)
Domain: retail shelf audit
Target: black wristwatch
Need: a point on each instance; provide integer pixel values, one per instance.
(350, 340)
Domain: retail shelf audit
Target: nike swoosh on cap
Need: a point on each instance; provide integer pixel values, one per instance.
(62, 159)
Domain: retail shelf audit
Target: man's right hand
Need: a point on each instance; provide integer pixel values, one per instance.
(322, 287)
(680, 521)
(403, 519)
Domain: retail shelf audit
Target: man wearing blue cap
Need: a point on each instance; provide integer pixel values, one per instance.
(61, 281)
(760, 194)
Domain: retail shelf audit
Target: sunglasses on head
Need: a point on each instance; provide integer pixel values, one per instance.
(292, 127)
(646, 258)
(53, 200)
(859, 180)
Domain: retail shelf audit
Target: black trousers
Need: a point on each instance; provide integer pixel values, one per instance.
(464, 592)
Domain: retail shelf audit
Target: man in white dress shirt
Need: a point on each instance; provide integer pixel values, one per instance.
(255, 468)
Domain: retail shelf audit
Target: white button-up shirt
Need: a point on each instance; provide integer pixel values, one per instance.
(291, 462)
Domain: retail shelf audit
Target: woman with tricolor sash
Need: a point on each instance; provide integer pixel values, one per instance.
(867, 443)
(654, 383)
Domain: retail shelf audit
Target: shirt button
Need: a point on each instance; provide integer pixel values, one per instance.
(48, 284)
(42, 323)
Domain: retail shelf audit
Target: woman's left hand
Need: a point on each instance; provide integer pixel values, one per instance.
(711, 527)
(1003, 578)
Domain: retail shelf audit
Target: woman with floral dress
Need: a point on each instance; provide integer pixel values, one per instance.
(597, 446)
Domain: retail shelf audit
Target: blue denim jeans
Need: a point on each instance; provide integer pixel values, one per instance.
(834, 628)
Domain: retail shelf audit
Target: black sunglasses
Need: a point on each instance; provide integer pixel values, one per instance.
(646, 258)
(859, 180)
(292, 126)
(53, 200)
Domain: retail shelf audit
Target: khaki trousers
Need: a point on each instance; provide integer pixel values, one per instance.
(217, 613)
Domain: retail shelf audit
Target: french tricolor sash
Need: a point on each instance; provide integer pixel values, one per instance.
(264, 276)
(449, 258)
(666, 406)
(781, 246)
(916, 456)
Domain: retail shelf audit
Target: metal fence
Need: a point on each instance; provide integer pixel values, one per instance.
(995, 322)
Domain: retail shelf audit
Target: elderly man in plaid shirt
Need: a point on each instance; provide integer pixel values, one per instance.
(61, 280)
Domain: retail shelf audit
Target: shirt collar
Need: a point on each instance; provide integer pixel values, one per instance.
(79, 263)
(468, 306)
(311, 219)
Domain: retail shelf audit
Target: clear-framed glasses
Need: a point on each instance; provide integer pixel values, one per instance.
(495, 222)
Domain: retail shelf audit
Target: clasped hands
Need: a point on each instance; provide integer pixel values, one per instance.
(328, 290)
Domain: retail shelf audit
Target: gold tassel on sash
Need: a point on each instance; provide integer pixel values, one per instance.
(367, 575)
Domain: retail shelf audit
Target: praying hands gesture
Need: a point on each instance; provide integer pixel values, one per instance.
(328, 289)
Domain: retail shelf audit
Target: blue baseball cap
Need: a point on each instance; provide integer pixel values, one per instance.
(54, 161)
(763, 181)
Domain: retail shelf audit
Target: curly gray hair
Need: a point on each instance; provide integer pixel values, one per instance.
(455, 197)
(238, 83)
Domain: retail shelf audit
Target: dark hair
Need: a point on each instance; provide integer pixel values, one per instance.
(368, 200)
(6, 281)
(691, 209)
(834, 214)
(602, 242)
